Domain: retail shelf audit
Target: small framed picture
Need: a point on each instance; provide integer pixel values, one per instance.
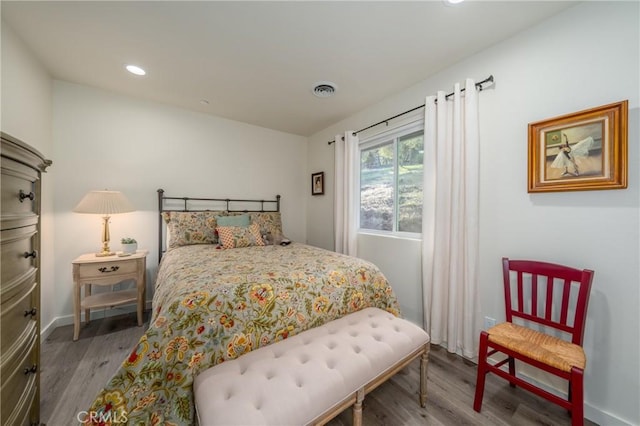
(317, 183)
(581, 151)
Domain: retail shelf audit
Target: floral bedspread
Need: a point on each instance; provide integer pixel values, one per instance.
(212, 305)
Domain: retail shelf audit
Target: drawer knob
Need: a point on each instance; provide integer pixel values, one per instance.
(33, 312)
(106, 270)
(24, 195)
(33, 254)
(32, 370)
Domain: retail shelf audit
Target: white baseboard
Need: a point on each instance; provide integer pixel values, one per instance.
(46, 330)
(95, 314)
(603, 418)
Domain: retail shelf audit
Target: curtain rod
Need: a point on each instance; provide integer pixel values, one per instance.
(478, 86)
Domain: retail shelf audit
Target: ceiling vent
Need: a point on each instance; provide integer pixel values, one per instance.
(324, 89)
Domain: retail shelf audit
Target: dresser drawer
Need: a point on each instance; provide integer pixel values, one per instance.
(19, 197)
(106, 269)
(26, 414)
(19, 315)
(19, 258)
(19, 382)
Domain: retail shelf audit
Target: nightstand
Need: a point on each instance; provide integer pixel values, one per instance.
(89, 270)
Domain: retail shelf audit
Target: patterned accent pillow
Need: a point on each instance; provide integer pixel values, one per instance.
(236, 237)
(269, 222)
(188, 228)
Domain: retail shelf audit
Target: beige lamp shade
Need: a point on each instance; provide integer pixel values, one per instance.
(104, 203)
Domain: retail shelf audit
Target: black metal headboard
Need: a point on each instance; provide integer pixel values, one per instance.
(193, 204)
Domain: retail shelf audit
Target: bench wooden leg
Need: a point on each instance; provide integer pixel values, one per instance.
(424, 360)
(357, 408)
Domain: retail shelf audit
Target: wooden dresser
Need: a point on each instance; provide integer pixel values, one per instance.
(20, 286)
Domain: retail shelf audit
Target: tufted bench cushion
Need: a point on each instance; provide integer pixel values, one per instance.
(311, 377)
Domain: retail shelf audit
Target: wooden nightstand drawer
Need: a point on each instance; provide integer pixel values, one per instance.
(107, 269)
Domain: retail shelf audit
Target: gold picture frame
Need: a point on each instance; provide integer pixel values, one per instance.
(585, 150)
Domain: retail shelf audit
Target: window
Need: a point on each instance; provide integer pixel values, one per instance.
(391, 181)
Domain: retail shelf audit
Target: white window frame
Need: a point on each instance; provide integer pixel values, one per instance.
(380, 139)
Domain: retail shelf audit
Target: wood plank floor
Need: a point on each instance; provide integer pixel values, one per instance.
(74, 372)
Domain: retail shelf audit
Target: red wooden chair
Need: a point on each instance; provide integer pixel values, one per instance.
(552, 299)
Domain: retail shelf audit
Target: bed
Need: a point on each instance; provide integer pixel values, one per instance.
(213, 303)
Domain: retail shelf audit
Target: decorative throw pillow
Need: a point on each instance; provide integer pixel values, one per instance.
(188, 228)
(236, 237)
(269, 222)
(242, 220)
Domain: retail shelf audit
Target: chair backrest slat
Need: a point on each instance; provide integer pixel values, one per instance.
(549, 302)
(557, 309)
(581, 309)
(566, 291)
(520, 293)
(507, 292)
(534, 295)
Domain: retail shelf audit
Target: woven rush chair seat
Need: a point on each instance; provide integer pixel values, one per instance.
(547, 349)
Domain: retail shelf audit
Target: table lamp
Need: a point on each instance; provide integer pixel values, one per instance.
(105, 203)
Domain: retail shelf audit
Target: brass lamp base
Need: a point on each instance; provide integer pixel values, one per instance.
(106, 251)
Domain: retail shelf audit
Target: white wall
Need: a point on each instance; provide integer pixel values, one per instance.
(105, 140)
(582, 58)
(26, 114)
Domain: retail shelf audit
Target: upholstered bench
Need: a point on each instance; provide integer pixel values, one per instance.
(311, 377)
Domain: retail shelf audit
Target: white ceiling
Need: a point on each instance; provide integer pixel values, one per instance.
(256, 62)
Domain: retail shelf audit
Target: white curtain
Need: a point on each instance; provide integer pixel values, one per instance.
(347, 184)
(450, 219)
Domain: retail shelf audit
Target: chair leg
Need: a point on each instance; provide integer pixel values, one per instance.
(569, 390)
(482, 371)
(512, 370)
(576, 392)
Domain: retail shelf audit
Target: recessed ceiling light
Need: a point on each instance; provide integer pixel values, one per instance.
(134, 69)
(324, 89)
(454, 1)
